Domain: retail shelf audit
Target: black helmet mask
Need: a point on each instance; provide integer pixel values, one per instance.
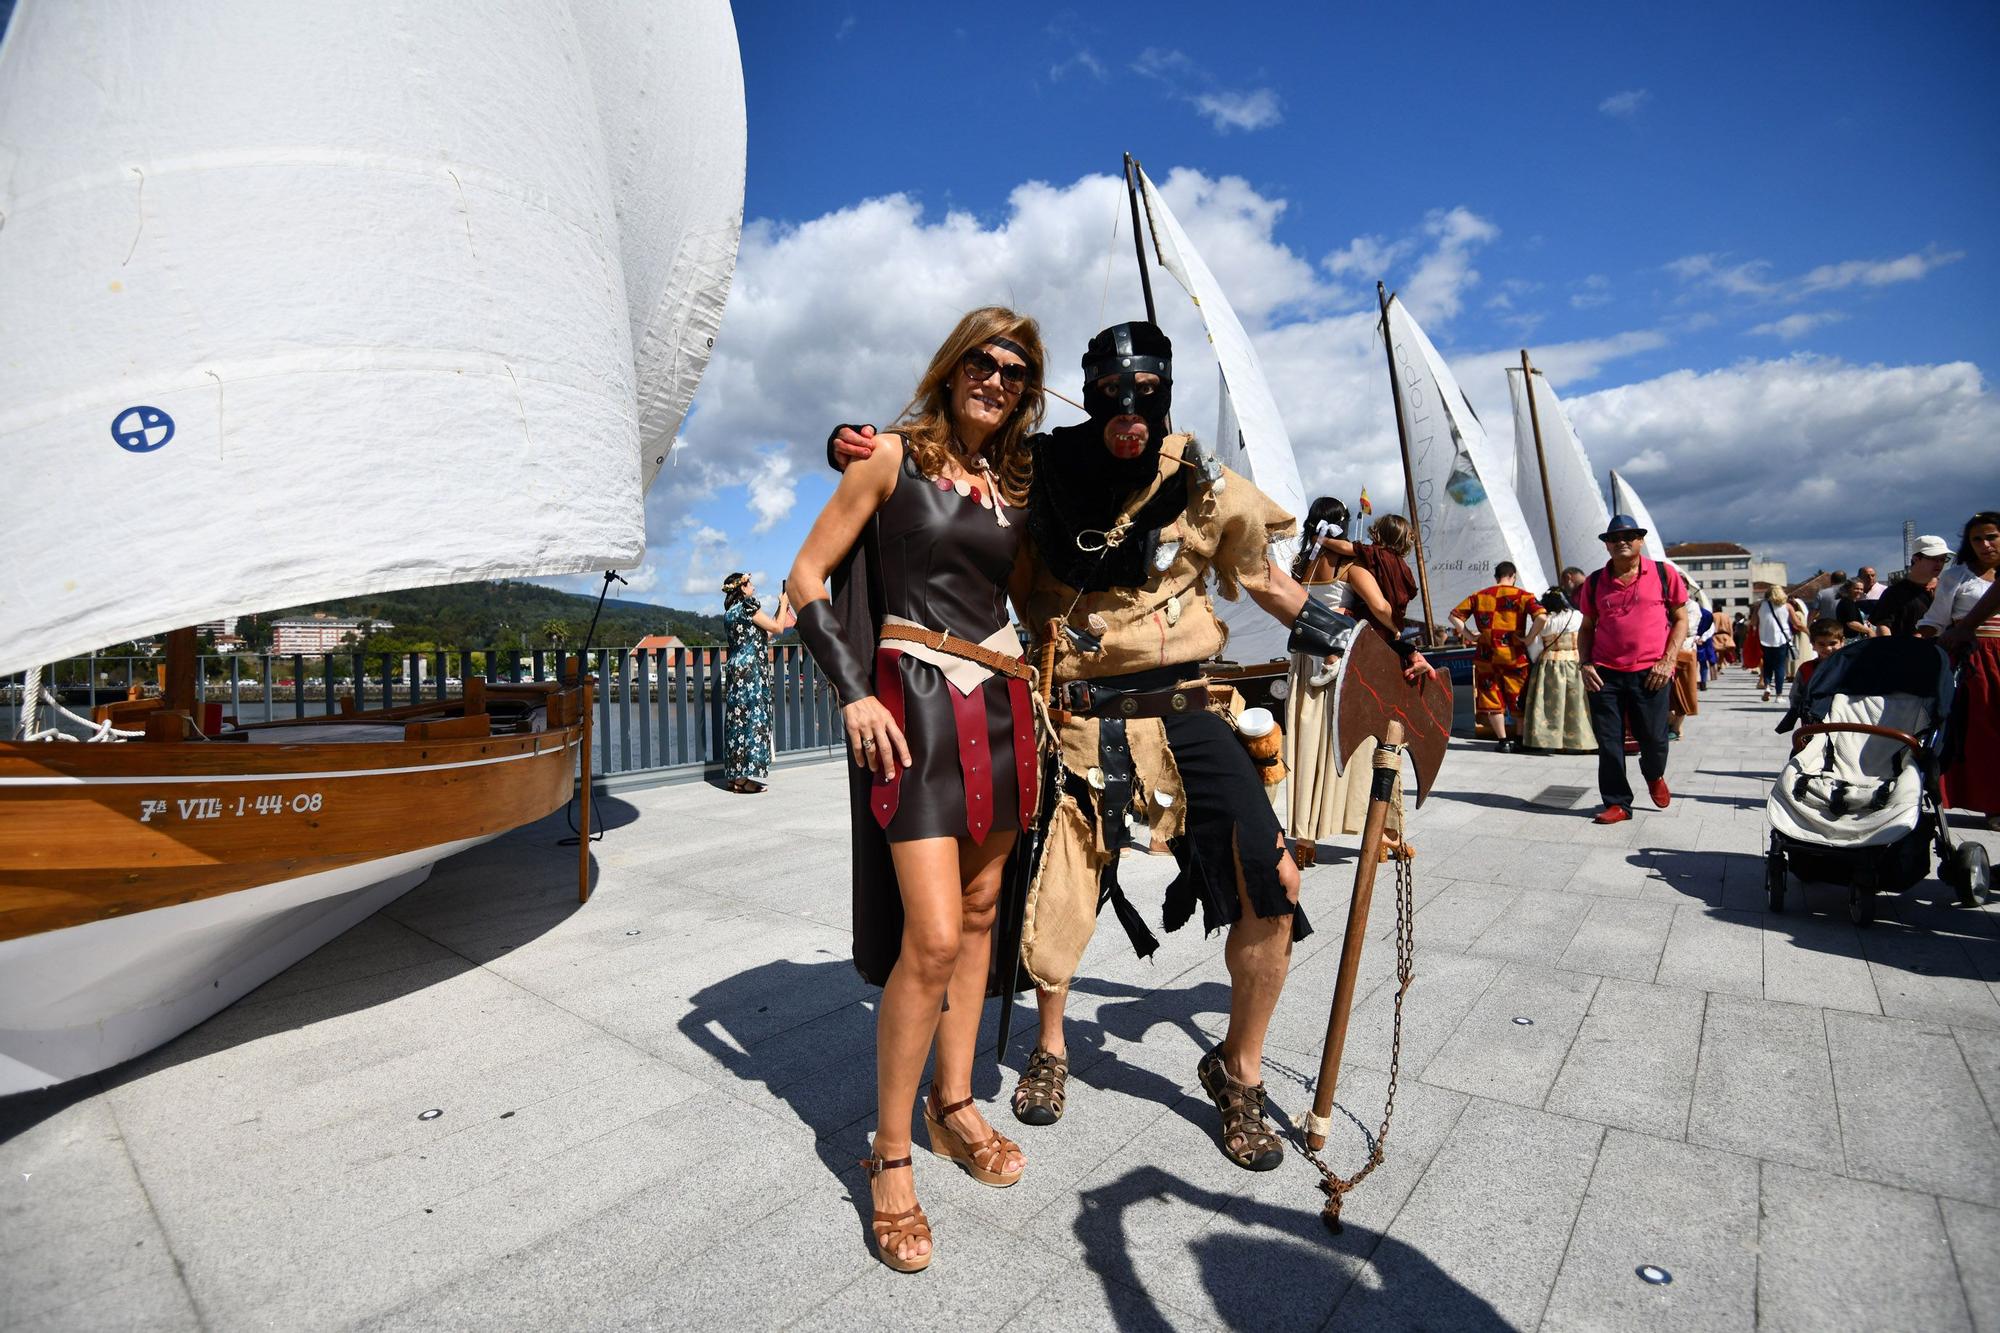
(1120, 355)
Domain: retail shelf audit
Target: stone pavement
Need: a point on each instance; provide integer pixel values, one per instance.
(652, 1105)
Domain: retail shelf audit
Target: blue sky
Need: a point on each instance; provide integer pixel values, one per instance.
(1752, 245)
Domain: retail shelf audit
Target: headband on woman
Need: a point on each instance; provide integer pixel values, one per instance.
(1013, 347)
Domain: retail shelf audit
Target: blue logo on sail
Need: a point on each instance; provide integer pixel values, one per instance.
(142, 429)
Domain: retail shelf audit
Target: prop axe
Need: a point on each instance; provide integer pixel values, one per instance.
(1372, 701)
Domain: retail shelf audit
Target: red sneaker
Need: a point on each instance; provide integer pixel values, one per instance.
(1612, 814)
(1658, 790)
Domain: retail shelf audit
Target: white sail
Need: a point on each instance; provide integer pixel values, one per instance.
(1625, 500)
(1579, 505)
(1250, 435)
(1469, 517)
(669, 87)
(345, 312)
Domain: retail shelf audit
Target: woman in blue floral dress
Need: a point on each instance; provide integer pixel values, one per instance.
(746, 684)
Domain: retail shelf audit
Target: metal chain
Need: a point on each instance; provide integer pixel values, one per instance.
(1335, 1185)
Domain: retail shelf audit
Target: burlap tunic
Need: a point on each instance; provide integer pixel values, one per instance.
(1164, 628)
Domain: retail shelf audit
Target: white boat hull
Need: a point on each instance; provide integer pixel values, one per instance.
(85, 998)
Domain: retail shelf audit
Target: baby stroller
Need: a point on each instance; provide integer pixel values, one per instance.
(1857, 803)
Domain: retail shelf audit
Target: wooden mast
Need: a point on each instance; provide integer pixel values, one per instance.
(1138, 245)
(1542, 463)
(1409, 482)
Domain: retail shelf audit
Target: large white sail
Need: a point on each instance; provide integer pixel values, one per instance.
(1579, 505)
(1625, 500)
(346, 312)
(1250, 436)
(1469, 516)
(669, 87)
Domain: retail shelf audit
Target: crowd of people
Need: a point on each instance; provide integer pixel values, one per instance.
(1105, 538)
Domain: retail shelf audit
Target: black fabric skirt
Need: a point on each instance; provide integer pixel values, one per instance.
(1229, 819)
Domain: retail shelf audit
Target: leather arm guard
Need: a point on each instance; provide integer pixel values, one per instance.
(843, 667)
(1321, 631)
(1403, 649)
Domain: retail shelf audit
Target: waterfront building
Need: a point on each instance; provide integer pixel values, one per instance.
(1721, 568)
(321, 633)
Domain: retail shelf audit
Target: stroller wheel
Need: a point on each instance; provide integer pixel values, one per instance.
(1774, 880)
(1861, 906)
(1969, 871)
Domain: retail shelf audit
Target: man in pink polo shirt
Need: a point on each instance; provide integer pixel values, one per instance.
(1634, 620)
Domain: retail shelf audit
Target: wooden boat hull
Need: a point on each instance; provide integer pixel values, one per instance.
(144, 887)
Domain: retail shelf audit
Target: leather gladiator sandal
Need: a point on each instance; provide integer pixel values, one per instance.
(892, 1229)
(981, 1160)
(1039, 1096)
(1246, 1139)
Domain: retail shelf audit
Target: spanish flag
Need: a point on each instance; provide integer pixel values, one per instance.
(1366, 508)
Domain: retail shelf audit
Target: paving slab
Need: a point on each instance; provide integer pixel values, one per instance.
(1712, 950)
(1924, 975)
(1482, 1237)
(1496, 1054)
(1620, 939)
(1535, 927)
(1817, 960)
(1764, 1085)
(1974, 1232)
(1689, 1210)
(1846, 1254)
(1910, 1113)
(1633, 1061)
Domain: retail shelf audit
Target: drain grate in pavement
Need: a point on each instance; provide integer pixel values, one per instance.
(1562, 798)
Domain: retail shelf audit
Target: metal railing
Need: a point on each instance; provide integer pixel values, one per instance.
(659, 710)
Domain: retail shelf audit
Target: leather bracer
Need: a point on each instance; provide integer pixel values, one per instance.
(845, 669)
(1321, 631)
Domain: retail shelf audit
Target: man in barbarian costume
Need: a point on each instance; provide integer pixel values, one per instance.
(1127, 524)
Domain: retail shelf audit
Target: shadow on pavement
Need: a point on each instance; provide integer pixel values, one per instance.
(1273, 1267)
(1922, 929)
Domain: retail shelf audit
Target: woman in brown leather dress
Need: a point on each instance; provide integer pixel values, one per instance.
(916, 642)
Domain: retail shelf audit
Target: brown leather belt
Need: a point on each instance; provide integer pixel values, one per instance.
(1084, 699)
(939, 641)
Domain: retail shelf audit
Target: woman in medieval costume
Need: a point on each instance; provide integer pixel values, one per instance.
(746, 684)
(1555, 708)
(1321, 802)
(934, 699)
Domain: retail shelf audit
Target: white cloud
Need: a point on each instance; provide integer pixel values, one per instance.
(1793, 327)
(1226, 108)
(1751, 278)
(773, 491)
(1877, 272)
(1436, 290)
(640, 581)
(1813, 460)
(1253, 110)
(1080, 61)
(1590, 292)
(833, 319)
(707, 562)
(1745, 279)
(1366, 257)
(1626, 104)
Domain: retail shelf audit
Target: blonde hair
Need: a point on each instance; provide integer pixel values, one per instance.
(1393, 532)
(926, 422)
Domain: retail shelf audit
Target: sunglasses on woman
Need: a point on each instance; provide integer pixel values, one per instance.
(979, 368)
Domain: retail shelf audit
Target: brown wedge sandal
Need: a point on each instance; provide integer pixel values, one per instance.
(1044, 1085)
(1246, 1139)
(981, 1160)
(892, 1229)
